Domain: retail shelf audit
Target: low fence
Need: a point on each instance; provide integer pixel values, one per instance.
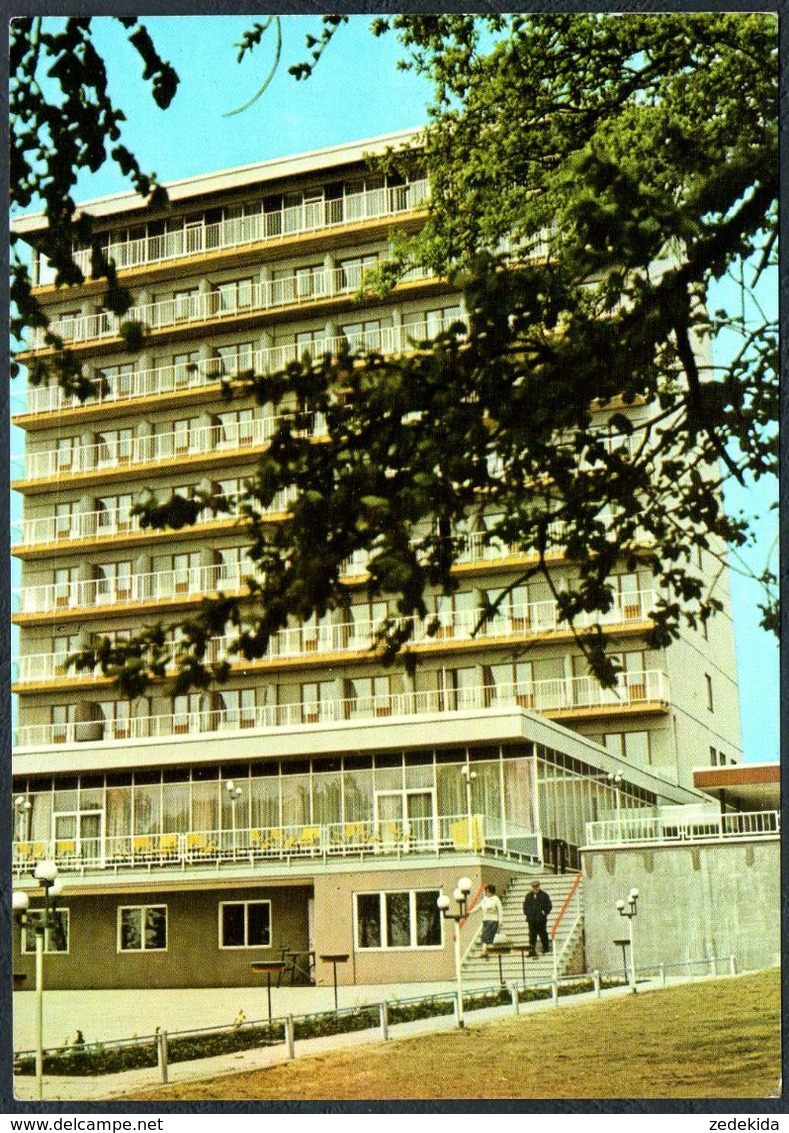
(160, 1049)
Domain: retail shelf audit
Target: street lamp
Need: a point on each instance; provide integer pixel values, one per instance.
(235, 794)
(22, 806)
(469, 777)
(461, 896)
(630, 911)
(616, 782)
(46, 874)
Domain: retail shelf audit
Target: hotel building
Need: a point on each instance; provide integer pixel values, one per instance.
(316, 802)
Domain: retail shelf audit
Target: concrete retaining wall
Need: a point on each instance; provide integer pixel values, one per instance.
(716, 899)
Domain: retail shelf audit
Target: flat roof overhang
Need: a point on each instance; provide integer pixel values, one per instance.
(206, 184)
(751, 786)
(506, 725)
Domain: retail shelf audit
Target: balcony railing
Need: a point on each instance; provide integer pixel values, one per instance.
(240, 232)
(579, 694)
(670, 830)
(155, 586)
(116, 451)
(304, 640)
(279, 844)
(178, 378)
(110, 522)
(218, 304)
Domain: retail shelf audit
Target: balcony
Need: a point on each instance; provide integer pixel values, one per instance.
(181, 381)
(122, 454)
(675, 830)
(310, 642)
(279, 845)
(195, 240)
(216, 306)
(34, 535)
(81, 596)
(578, 696)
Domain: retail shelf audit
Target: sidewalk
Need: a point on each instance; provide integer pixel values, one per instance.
(114, 1086)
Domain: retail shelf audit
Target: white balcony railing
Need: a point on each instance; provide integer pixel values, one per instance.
(159, 448)
(155, 586)
(289, 220)
(218, 304)
(663, 830)
(571, 694)
(177, 378)
(247, 845)
(110, 522)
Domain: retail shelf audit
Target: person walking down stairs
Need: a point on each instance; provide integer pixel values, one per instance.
(536, 906)
(492, 916)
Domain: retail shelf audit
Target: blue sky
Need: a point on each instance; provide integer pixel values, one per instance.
(356, 92)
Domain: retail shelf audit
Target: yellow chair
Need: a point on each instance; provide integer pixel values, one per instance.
(23, 851)
(309, 838)
(142, 845)
(468, 834)
(65, 847)
(168, 845)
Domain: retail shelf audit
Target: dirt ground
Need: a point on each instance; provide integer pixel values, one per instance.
(716, 1039)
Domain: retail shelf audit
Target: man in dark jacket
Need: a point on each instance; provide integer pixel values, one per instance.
(536, 906)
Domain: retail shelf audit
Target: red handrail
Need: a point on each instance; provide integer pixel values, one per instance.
(563, 909)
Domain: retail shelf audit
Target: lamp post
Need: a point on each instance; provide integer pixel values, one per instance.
(234, 793)
(22, 806)
(629, 910)
(616, 782)
(46, 874)
(469, 776)
(461, 896)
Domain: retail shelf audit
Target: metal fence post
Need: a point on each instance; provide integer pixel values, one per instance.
(596, 982)
(713, 965)
(515, 998)
(663, 975)
(161, 1053)
(458, 1018)
(290, 1036)
(384, 1012)
(732, 965)
(555, 992)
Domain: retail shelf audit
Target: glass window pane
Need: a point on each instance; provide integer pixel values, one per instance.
(368, 917)
(131, 929)
(398, 920)
(156, 927)
(233, 926)
(259, 923)
(428, 919)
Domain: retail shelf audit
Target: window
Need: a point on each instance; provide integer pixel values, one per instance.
(245, 924)
(710, 701)
(235, 359)
(363, 336)
(185, 304)
(234, 296)
(406, 919)
(142, 928)
(713, 757)
(352, 272)
(56, 939)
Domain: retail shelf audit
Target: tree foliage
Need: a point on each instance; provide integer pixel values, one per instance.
(592, 177)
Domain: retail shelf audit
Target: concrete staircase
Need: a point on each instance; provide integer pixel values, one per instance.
(568, 937)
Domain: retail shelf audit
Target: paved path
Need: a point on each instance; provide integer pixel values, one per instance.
(114, 1086)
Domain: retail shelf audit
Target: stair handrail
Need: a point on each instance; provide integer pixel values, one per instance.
(563, 910)
(557, 922)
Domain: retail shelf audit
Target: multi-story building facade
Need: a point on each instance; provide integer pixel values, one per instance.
(316, 801)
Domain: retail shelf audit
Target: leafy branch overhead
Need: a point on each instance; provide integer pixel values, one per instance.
(592, 179)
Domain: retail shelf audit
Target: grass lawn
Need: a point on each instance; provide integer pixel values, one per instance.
(714, 1039)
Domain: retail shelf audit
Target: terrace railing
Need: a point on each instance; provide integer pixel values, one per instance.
(671, 830)
(283, 843)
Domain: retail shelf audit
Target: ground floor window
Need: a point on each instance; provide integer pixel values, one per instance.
(142, 928)
(56, 938)
(403, 919)
(245, 924)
